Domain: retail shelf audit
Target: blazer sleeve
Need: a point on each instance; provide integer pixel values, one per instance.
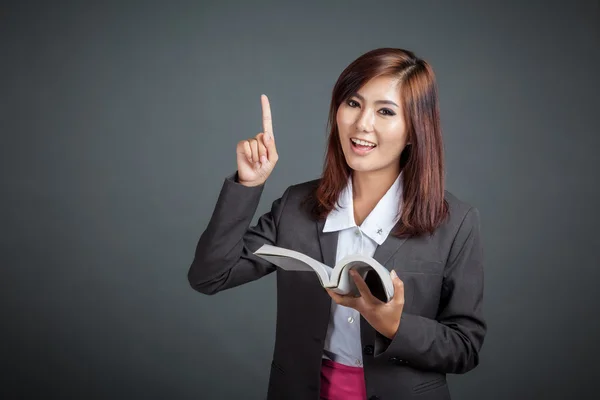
(451, 342)
(224, 254)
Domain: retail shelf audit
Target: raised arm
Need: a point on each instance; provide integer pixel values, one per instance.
(223, 257)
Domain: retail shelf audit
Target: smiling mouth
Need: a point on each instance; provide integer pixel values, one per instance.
(361, 147)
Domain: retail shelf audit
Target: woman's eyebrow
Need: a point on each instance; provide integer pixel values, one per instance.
(376, 101)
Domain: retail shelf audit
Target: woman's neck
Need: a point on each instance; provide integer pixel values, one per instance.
(372, 184)
(368, 188)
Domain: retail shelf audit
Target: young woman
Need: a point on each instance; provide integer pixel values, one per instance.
(381, 194)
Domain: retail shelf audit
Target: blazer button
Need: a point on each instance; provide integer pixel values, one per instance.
(396, 360)
(368, 350)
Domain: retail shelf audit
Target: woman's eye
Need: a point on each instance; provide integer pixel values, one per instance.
(352, 103)
(387, 111)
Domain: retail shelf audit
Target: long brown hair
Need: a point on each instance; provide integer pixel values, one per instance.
(423, 206)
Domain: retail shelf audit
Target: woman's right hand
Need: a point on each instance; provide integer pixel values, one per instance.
(257, 156)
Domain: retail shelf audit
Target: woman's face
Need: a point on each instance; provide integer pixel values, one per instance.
(372, 128)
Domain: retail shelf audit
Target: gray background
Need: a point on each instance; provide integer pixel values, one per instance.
(119, 123)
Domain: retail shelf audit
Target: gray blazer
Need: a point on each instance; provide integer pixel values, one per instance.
(442, 327)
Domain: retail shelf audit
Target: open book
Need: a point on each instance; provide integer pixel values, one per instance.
(337, 278)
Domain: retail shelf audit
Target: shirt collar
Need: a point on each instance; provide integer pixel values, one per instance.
(378, 224)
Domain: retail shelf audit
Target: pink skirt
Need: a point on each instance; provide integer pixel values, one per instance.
(342, 382)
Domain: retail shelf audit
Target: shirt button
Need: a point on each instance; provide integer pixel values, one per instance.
(357, 232)
(350, 319)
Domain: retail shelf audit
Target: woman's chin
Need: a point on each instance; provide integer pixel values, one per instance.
(362, 163)
(360, 166)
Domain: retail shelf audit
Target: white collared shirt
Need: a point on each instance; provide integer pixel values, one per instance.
(342, 342)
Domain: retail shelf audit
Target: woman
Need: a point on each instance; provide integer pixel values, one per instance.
(381, 194)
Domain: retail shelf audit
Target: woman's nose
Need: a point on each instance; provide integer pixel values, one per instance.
(366, 121)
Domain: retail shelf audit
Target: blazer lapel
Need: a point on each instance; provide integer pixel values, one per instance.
(328, 242)
(388, 248)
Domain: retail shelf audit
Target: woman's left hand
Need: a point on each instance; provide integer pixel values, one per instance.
(383, 317)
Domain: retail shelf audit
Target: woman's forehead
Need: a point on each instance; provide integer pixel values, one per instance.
(380, 88)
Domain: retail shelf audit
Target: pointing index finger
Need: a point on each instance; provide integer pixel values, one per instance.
(266, 116)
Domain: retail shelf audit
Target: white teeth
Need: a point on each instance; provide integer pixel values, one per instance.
(363, 143)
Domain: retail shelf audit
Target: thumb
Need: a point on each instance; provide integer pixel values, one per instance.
(264, 167)
(269, 142)
(265, 164)
(398, 287)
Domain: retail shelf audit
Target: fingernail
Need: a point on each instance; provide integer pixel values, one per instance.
(263, 159)
(394, 274)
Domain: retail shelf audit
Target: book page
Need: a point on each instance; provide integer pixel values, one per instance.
(362, 264)
(291, 260)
